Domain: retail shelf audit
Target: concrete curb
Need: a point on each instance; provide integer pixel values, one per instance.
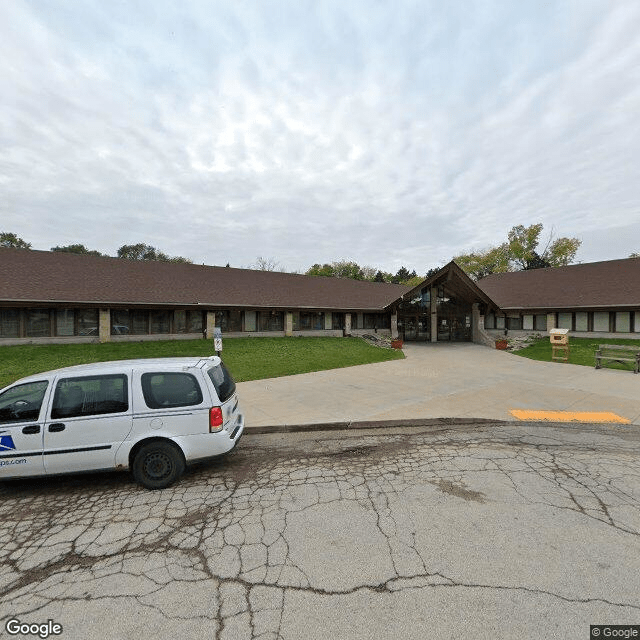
(368, 424)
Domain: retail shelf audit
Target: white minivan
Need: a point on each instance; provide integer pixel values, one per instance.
(150, 416)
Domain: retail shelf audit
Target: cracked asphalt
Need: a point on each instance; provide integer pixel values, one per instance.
(486, 530)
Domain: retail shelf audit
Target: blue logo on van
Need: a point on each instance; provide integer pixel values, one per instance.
(6, 443)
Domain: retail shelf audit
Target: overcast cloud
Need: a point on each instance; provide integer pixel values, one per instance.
(389, 133)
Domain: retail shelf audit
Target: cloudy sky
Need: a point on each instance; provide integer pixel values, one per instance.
(389, 133)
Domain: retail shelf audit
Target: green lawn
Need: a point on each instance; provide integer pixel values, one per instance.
(581, 351)
(247, 358)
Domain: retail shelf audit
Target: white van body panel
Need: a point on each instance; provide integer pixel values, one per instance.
(113, 417)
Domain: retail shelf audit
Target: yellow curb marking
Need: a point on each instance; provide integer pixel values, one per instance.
(569, 416)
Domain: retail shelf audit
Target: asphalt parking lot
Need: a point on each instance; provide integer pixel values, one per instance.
(516, 530)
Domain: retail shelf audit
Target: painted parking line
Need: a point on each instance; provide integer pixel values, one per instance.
(569, 416)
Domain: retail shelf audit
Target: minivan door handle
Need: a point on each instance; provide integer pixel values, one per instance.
(56, 426)
(32, 428)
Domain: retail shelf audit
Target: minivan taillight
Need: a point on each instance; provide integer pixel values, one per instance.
(215, 419)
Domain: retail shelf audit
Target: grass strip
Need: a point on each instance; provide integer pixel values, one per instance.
(247, 358)
(581, 351)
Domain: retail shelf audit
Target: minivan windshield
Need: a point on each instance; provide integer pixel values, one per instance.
(222, 381)
(22, 402)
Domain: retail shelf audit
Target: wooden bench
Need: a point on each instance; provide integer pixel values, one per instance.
(618, 353)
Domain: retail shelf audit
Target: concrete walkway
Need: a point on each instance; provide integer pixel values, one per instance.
(439, 381)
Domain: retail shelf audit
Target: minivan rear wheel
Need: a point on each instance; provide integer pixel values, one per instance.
(157, 465)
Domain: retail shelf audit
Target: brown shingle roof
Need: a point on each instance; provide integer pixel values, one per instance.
(614, 283)
(48, 277)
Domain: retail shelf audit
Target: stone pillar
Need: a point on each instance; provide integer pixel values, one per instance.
(288, 323)
(104, 325)
(551, 321)
(476, 321)
(434, 314)
(394, 324)
(347, 324)
(211, 323)
(328, 321)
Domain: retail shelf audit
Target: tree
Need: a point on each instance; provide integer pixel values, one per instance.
(635, 255)
(519, 253)
(11, 240)
(403, 275)
(266, 264)
(414, 281)
(77, 248)
(342, 269)
(432, 272)
(146, 252)
(369, 273)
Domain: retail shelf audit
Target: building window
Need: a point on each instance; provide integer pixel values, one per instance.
(119, 322)
(229, 321)
(195, 321)
(514, 323)
(9, 323)
(337, 321)
(64, 322)
(311, 320)
(271, 320)
(582, 321)
(180, 322)
(499, 322)
(527, 322)
(601, 321)
(490, 321)
(250, 321)
(623, 321)
(565, 321)
(377, 321)
(87, 322)
(159, 322)
(139, 322)
(540, 322)
(37, 323)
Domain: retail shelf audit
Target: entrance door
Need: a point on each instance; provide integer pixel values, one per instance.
(415, 327)
(454, 327)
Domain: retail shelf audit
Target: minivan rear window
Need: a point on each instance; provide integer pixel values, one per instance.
(223, 382)
(167, 390)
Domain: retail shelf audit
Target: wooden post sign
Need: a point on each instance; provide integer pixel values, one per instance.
(217, 339)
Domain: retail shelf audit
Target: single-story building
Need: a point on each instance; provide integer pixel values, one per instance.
(60, 297)
(595, 299)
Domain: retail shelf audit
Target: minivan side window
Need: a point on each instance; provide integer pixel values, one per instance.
(223, 382)
(22, 402)
(90, 396)
(168, 390)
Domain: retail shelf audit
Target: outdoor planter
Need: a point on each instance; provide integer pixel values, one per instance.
(501, 344)
(396, 344)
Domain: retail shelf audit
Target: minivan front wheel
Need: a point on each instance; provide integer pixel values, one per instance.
(157, 465)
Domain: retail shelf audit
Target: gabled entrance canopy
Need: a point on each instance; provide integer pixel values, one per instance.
(444, 307)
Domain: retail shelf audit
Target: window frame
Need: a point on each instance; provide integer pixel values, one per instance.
(150, 399)
(57, 412)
